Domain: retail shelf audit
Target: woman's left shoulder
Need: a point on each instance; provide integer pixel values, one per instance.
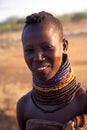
(81, 95)
(82, 91)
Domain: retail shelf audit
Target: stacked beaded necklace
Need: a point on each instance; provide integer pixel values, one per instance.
(59, 90)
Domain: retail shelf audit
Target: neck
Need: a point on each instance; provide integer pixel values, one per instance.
(58, 77)
(59, 90)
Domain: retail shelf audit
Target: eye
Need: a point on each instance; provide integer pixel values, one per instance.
(29, 50)
(47, 47)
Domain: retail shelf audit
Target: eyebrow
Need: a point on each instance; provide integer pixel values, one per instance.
(45, 42)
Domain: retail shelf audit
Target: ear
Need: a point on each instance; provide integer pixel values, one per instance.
(65, 45)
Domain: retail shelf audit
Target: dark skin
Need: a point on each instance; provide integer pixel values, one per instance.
(43, 50)
(44, 54)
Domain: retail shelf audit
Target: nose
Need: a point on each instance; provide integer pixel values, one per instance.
(38, 56)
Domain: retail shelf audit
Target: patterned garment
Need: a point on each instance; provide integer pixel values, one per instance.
(81, 121)
(37, 124)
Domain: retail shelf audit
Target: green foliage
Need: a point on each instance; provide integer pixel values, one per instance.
(76, 17)
(12, 24)
(79, 16)
(15, 24)
(65, 18)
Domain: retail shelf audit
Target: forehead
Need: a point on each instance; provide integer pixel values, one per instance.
(41, 30)
(38, 35)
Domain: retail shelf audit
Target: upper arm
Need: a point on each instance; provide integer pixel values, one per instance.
(20, 114)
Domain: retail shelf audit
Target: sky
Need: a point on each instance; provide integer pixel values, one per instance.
(23, 8)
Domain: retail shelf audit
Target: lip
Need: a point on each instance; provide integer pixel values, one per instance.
(41, 68)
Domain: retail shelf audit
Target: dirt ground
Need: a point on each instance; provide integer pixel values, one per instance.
(15, 78)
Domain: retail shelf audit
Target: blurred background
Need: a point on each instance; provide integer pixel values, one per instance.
(15, 78)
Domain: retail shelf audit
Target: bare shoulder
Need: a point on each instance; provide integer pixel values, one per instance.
(23, 100)
(82, 92)
(81, 96)
(21, 106)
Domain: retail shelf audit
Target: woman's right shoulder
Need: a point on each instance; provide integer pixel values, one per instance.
(24, 99)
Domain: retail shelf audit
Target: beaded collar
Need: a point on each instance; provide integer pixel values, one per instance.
(60, 75)
(59, 90)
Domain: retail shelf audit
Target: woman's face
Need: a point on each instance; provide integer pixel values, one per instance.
(42, 50)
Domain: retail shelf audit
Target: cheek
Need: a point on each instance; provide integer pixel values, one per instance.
(56, 57)
(59, 51)
(57, 60)
(56, 65)
(28, 61)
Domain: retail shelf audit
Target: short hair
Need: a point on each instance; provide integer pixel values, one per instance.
(44, 18)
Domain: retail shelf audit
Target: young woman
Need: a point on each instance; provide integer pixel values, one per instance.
(57, 101)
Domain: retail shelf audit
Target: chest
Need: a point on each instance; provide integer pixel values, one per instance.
(54, 113)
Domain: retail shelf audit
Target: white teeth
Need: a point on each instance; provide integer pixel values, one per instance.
(42, 68)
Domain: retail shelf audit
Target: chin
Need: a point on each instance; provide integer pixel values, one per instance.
(44, 77)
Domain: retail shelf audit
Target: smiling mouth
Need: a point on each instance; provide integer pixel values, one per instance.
(41, 68)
